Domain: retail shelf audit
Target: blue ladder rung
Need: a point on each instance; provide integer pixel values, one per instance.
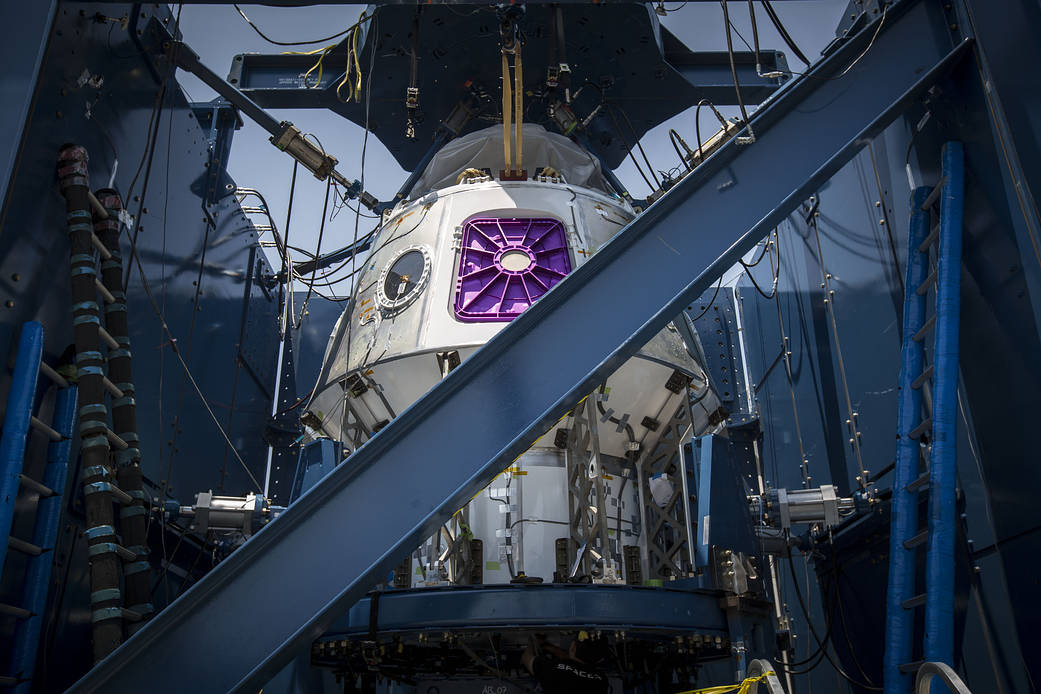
(930, 280)
(43, 490)
(921, 481)
(935, 195)
(908, 668)
(24, 547)
(930, 239)
(929, 325)
(920, 381)
(916, 601)
(16, 612)
(919, 539)
(925, 426)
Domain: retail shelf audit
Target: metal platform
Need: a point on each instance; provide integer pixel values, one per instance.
(646, 610)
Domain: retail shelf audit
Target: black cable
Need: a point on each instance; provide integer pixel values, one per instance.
(697, 124)
(733, 67)
(317, 251)
(294, 43)
(710, 301)
(628, 147)
(761, 255)
(785, 36)
(639, 146)
(755, 35)
(842, 608)
(813, 630)
(673, 135)
(289, 218)
(777, 274)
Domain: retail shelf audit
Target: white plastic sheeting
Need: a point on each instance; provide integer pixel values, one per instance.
(484, 150)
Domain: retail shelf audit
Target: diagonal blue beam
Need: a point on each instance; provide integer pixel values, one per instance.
(250, 615)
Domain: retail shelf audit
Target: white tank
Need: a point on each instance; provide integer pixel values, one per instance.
(446, 272)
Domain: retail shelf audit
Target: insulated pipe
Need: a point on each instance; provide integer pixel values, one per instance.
(45, 534)
(19, 412)
(106, 599)
(943, 461)
(132, 518)
(904, 515)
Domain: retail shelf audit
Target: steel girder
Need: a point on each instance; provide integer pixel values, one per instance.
(281, 590)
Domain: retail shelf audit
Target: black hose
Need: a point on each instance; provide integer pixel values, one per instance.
(813, 631)
(784, 32)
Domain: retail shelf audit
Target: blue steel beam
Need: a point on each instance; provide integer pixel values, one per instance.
(277, 80)
(288, 584)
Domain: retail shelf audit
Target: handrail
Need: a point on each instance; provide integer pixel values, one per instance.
(928, 671)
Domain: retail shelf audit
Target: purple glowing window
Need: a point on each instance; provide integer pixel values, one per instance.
(506, 264)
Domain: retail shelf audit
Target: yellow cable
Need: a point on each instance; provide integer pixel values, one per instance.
(353, 65)
(316, 66)
(352, 60)
(741, 688)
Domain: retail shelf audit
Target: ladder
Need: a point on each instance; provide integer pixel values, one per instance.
(18, 419)
(927, 433)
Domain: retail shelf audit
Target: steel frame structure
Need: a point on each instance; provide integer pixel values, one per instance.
(285, 587)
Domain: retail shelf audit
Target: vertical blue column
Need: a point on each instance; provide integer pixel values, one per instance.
(904, 508)
(16, 424)
(48, 519)
(943, 462)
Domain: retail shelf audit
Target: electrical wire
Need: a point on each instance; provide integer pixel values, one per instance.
(293, 43)
(804, 463)
(187, 372)
(853, 63)
(352, 298)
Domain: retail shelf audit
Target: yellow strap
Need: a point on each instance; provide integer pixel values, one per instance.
(518, 109)
(507, 105)
(741, 688)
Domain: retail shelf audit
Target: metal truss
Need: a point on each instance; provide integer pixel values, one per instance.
(589, 551)
(287, 585)
(668, 528)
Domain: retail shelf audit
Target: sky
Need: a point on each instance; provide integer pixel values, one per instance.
(217, 33)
